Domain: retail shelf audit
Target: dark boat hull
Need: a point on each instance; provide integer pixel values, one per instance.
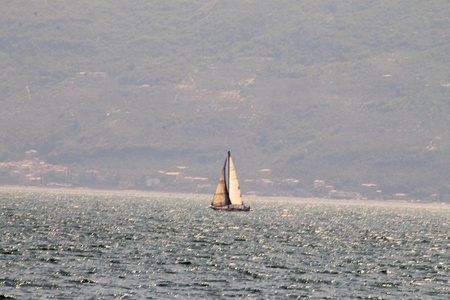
(232, 208)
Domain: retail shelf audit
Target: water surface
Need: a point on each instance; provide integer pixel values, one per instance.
(100, 245)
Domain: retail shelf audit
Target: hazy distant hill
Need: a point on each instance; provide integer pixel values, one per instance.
(349, 92)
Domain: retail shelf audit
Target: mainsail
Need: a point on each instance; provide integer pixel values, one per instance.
(233, 184)
(221, 197)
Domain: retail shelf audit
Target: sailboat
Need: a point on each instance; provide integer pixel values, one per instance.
(228, 197)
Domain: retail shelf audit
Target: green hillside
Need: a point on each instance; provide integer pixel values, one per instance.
(348, 92)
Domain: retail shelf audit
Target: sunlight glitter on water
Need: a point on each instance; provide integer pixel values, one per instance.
(137, 245)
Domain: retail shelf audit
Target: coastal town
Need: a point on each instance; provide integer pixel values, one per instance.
(34, 171)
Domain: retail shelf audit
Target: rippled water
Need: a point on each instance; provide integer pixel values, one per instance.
(103, 245)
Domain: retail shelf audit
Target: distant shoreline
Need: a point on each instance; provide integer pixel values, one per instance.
(252, 200)
(89, 190)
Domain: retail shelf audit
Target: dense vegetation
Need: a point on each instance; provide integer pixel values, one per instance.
(345, 91)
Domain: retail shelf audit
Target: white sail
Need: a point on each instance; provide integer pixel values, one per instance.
(233, 185)
(221, 195)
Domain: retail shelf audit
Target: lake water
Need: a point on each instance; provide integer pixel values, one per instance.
(115, 245)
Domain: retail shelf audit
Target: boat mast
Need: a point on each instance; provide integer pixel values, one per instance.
(229, 182)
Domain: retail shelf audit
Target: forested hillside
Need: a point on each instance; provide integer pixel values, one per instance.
(348, 92)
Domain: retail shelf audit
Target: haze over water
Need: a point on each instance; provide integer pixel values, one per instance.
(111, 245)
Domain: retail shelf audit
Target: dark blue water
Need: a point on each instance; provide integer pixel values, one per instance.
(86, 245)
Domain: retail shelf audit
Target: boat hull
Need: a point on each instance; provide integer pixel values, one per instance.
(232, 208)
